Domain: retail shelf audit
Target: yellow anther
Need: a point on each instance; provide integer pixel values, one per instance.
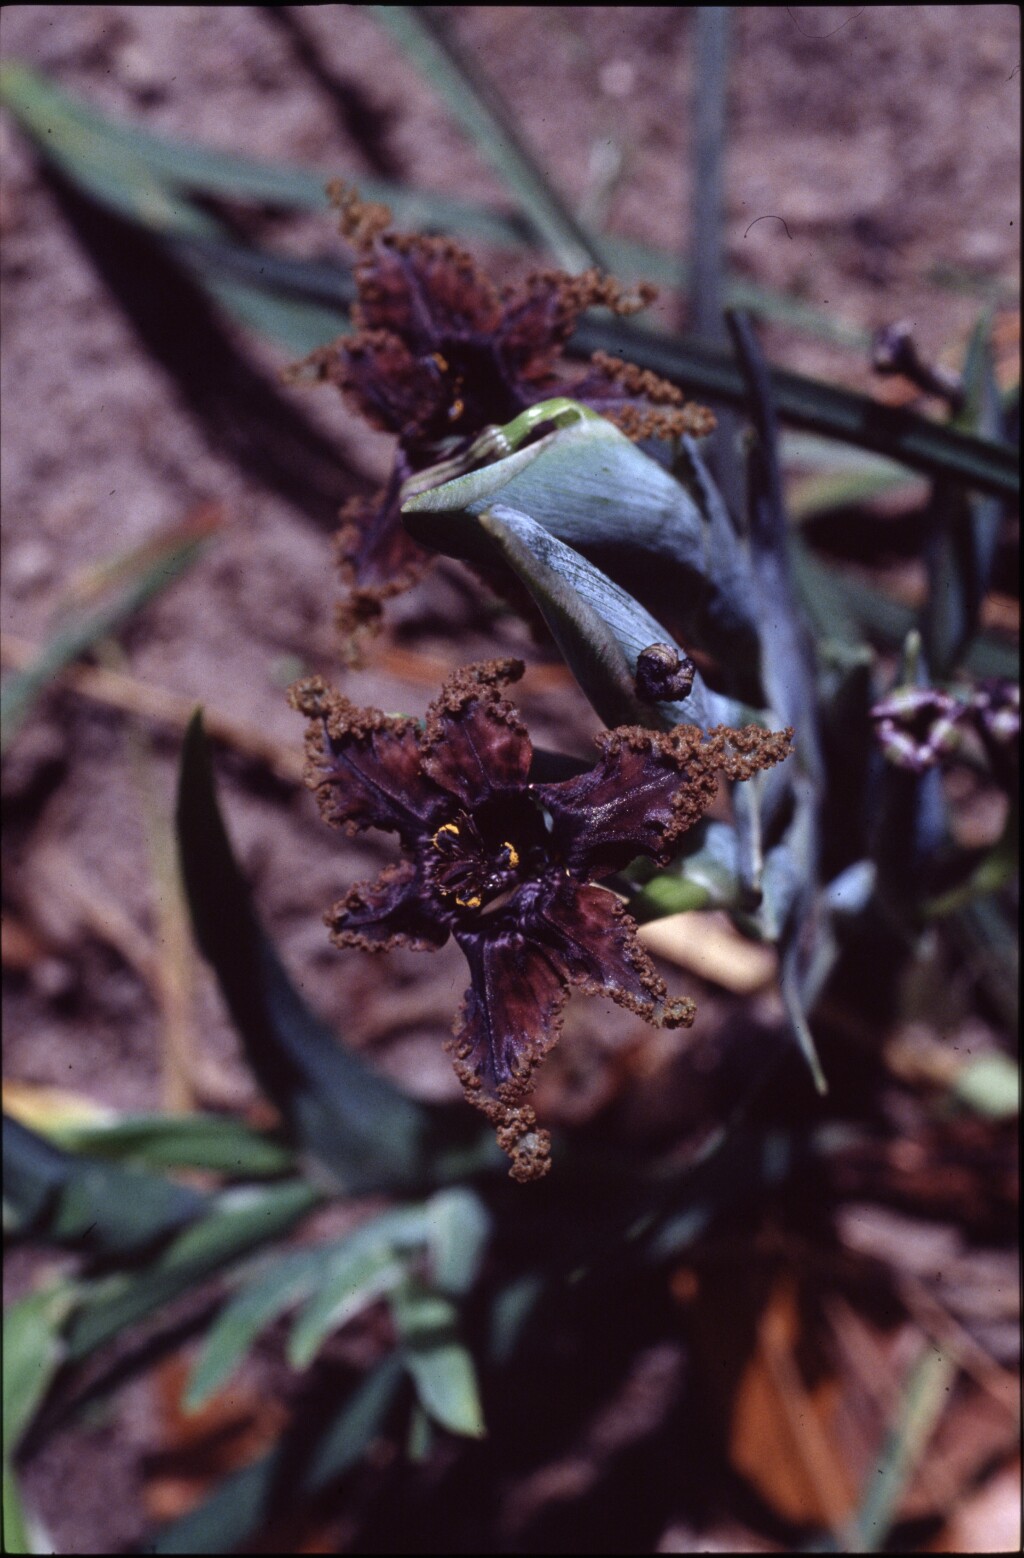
(455, 410)
(468, 903)
(513, 855)
(447, 827)
(442, 362)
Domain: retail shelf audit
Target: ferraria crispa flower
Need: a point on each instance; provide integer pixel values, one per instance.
(439, 353)
(917, 727)
(509, 867)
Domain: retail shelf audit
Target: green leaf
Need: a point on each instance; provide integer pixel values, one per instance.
(459, 1227)
(262, 1297)
(367, 1263)
(367, 1133)
(814, 496)
(350, 1285)
(311, 1457)
(67, 1199)
(964, 529)
(16, 1537)
(703, 370)
(441, 1368)
(79, 141)
(708, 876)
(152, 568)
(857, 611)
(709, 132)
(922, 1400)
(33, 1351)
(484, 117)
(203, 1141)
(239, 1221)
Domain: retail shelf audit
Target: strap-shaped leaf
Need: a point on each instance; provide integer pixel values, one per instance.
(204, 1141)
(151, 570)
(459, 1226)
(441, 1367)
(262, 1297)
(206, 170)
(356, 1271)
(475, 102)
(311, 1456)
(68, 1199)
(32, 1351)
(851, 610)
(964, 527)
(238, 1222)
(989, 465)
(362, 1128)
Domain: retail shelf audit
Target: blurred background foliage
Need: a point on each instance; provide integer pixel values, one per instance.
(357, 1332)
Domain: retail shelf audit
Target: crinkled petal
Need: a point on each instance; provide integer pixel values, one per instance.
(365, 766)
(512, 1011)
(379, 558)
(393, 911)
(475, 745)
(424, 289)
(648, 789)
(594, 940)
(537, 320)
(394, 389)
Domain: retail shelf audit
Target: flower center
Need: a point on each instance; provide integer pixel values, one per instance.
(475, 859)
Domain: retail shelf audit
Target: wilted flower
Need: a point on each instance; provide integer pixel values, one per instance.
(439, 353)
(508, 867)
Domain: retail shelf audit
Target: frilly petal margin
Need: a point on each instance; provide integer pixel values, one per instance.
(510, 1018)
(377, 558)
(365, 766)
(594, 940)
(475, 745)
(648, 789)
(390, 912)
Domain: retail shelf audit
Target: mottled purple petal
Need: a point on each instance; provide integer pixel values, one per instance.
(393, 911)
(476, 746)
(365, 766)
(647, 790)
(594, 940)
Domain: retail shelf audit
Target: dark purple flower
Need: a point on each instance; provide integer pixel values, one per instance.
(508, 867)
(439, 353)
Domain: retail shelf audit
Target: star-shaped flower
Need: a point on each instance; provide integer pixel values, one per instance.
(439, 353)
(509, 867)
